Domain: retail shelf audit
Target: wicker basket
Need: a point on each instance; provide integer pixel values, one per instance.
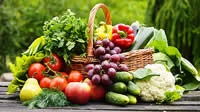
(133, 59)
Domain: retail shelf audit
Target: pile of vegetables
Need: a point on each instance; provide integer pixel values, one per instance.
(47, 60)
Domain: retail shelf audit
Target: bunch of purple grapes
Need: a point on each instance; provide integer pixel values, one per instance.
(110, 62)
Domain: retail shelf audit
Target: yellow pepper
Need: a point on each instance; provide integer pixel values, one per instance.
(104, 31)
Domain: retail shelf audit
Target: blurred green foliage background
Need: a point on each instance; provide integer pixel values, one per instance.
(21, 21)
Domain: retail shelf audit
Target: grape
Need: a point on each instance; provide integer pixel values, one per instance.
(111, 45)
(107, 56)
(111, 72)
(98, 43)
(89, 67)
(123, 67)
(96, 79)
(90, 73)
(117, 49)
(105, 65)
(105, 80)
(122, 57)
(115, 58)
(97, 68)
(101, 58)
(113, 52)
(100, 51)
(105, 42)
(113, 65)
(107, 49)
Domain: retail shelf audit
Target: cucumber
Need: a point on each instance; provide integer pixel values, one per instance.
(190, 68)
(116, 98)
(118, 87)
(132, 99)
(123, 77)
(133, 89)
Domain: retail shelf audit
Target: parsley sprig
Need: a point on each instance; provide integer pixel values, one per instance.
(66, 35)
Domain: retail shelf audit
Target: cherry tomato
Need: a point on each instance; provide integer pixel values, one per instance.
(36, 70)
(45, 82)
(75, 76)
(58, 83)
(54, 62)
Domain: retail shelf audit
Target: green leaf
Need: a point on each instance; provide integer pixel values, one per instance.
(142, 73)
(80, 41)
(61, 44)
(158, 41)
(174, 54)
(171, 96)
(193, 85)
(70, 45)
(162, 58)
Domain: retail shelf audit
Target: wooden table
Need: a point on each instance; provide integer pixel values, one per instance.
(190, 102)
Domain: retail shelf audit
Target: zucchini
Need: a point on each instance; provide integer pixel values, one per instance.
(118, 87)
(186, 65)
(116, 98)
(133, 89)
(123, 77)
(143, 36)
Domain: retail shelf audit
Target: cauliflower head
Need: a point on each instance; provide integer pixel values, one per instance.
(154, 88)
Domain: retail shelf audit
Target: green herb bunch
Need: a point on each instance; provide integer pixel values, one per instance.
(66, 35)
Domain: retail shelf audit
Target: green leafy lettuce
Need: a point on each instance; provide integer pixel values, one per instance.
(171, 96)
(19, 70)
(142, 73)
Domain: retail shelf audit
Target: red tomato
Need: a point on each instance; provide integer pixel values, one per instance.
(97, 92)
(36, 70)
(45, 82)
(55, 62)
(64, 75)
(78, 92)
(58, 83)
(75, 76)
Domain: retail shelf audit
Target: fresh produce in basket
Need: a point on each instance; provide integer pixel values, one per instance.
(120, 65)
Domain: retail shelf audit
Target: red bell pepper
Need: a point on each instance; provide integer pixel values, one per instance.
(122, 36)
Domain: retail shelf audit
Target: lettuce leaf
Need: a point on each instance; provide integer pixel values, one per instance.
(142, 73)
(19, 70)
(171, 96)
(159, 41)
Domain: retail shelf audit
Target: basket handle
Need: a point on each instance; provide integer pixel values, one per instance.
(91, 24)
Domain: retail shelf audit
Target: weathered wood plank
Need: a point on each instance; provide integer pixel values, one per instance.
(106, 107)
(4, 84)
(12, 96)
(4, 89)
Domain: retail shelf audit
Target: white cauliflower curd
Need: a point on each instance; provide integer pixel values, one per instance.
(154, 88)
